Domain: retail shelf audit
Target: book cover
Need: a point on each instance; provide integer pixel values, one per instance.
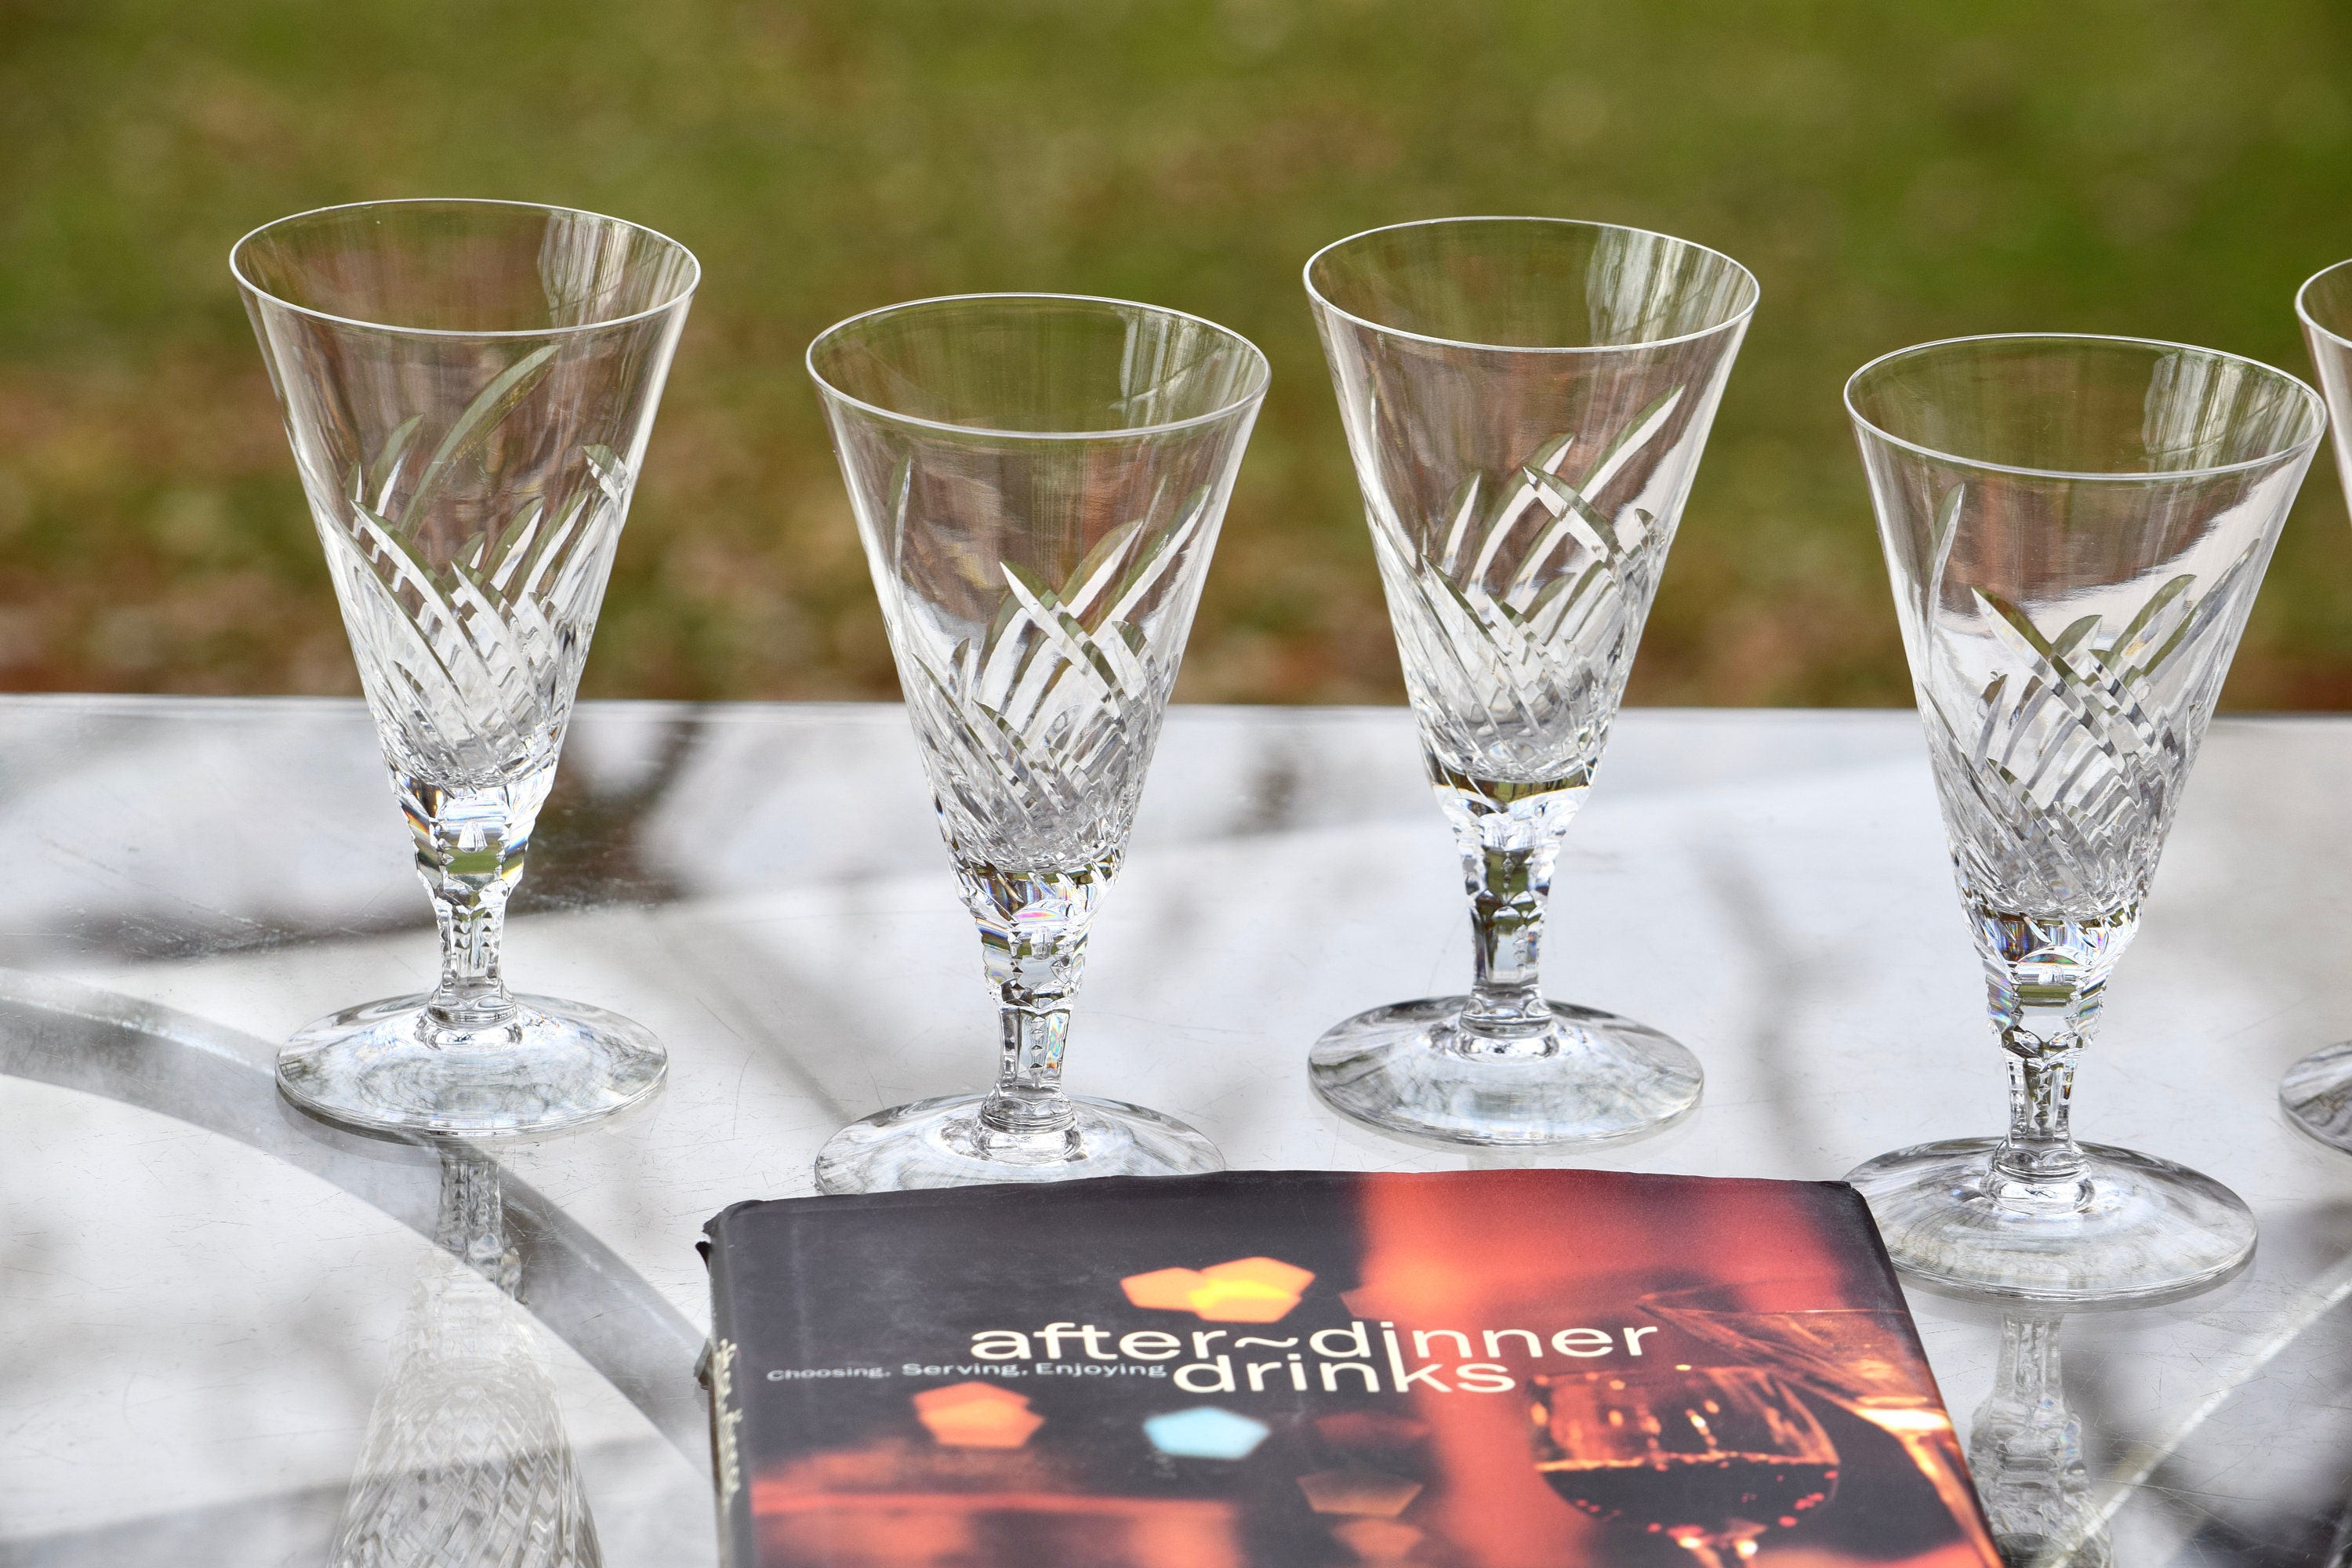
(1492, 1369)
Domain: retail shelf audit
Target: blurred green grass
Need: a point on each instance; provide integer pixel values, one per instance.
(1893, 172)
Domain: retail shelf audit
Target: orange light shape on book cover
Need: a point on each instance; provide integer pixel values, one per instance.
(976, 1415)
(1246, 1290)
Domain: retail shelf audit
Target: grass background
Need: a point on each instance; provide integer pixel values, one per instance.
(1892, 171)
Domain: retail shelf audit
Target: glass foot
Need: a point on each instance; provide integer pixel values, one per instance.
(2142, 1228)
(940, 1144)
(1594, 1077)
(558, 1065)
(2317, 1095)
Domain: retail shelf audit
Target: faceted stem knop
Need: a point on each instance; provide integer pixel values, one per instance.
(1507, 885)
(1033, 937)
(471, 846)
(1510, 837)
(2044, 980)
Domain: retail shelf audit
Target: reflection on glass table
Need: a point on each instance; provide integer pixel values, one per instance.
(203, 1293)
(466, 1458)
(2025, 1450)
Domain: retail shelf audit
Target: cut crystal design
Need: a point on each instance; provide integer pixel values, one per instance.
(2075, 529)
(1038, 481)
(1518, 630)
(470, 663)
(2060, 773)
(1036, 733)
(468, 388)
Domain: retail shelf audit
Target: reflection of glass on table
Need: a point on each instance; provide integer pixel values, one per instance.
(465, 1459)
(2025, 1449)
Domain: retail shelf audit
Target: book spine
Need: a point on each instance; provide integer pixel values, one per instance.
(738, 1547)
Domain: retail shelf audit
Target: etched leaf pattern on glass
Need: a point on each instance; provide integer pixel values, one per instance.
(1518, 631)
(470, 664)
(1038, 731)
(2060, 772)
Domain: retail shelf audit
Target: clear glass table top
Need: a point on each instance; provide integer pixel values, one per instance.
(203, 1296)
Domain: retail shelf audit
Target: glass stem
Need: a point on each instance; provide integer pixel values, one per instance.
(1510, 837)
(2044, 981)
(1033, 938)
(470, 845)
(1507, 883)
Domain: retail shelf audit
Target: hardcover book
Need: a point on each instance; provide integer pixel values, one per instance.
(1492, 1369)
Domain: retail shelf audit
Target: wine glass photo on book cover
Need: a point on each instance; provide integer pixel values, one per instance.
(468, 387)
(2316, 1092)
(1865, 1360)
(1526, 401)
(1711, 1458)
(1038, 480)
(2075, 529)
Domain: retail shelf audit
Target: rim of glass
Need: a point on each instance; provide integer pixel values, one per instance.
(693, 281)
(1739, 317)
(2302, 311)
(1256, 390)
(2312, 401)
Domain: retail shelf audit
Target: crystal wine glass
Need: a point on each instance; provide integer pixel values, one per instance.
(1709, 1458)
(1525, 400)
(2075, 528)
(468, 387)
(1038, 480)
(2316, 1092)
